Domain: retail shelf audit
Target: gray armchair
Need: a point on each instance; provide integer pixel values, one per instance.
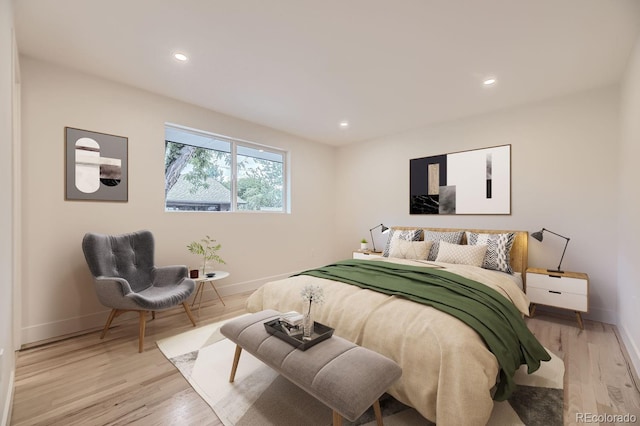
(126, 278)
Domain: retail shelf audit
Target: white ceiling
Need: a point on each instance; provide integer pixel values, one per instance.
(302, 66)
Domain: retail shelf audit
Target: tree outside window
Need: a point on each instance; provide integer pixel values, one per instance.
(204, 172)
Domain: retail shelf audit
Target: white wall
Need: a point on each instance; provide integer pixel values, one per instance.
(58, 295)
(565, 160)
(564, 157)
(7, 360)
(628, 219)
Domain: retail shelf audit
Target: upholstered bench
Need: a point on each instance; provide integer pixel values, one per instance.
(346, 377)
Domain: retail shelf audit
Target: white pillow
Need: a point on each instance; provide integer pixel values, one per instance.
(498, 249)
(406, 234)
(436, 237)
(461, 254)
(404, 249)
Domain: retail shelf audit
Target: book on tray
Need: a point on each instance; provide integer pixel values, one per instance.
(291, 323)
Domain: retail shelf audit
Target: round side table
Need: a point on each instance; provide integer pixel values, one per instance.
(201, 281)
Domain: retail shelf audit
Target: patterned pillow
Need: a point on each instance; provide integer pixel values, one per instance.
(461, 254)
(436, 237)
(403, 249)
(408, 235)
(498, 249)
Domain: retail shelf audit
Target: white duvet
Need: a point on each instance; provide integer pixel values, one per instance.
(448, 372)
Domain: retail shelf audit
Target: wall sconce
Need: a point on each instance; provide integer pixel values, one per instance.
(538, 236)
(384, 230)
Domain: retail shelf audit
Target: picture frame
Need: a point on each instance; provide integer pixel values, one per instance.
(96, 166)
(467, 182)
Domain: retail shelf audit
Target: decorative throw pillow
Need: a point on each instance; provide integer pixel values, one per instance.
(498, 249)
(461, 254)
(436, 237)
(407, 235)
(404, 249)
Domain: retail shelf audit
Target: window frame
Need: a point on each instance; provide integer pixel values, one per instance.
(233, 144)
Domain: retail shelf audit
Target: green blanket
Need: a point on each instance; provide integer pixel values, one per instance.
(490, 314)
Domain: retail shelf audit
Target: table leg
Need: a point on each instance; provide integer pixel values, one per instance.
(216, 290)
(200, 300)
(198, 290)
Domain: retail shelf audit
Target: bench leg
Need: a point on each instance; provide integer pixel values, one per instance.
(378, 411)
(337, 419)
(234, 367)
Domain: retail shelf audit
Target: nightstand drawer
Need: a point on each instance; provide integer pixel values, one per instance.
(561, 284)
(557, 298)
(366, 255)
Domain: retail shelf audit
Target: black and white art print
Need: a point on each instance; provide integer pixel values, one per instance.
(96, 166)
(467, 182)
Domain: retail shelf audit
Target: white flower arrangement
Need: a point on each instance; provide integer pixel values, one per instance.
(313, 294)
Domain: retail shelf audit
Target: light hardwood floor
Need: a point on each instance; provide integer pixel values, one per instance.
(83, 380)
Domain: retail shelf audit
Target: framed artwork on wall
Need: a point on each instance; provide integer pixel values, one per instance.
(468, 182)
(96, 166)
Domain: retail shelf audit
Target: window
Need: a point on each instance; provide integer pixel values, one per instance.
(207, 172)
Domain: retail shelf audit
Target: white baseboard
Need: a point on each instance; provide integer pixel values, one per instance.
(8, 403)
(631, 346)
(39, 332)
(237, 288)
(602, 315)
(36, 333)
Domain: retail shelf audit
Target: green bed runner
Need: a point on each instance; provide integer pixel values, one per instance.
(490, 314)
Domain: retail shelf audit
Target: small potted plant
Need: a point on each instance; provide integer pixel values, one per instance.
(364, 244)
(208, 249)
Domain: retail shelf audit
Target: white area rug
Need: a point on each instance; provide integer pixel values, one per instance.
(260, 397)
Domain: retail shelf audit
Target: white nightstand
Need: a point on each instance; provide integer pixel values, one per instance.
(566, 290)
(366, 254)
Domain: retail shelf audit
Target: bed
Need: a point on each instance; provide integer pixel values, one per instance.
(449, 374)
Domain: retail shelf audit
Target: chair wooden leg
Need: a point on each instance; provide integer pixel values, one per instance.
(234, 367)
(143, 315)
(112, 315)
(188, 311)
(378, 411)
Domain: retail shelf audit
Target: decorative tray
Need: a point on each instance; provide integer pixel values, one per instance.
(320, 332)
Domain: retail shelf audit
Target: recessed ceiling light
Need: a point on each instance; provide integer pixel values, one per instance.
(180, 56)
(344, 124)
(489, 81)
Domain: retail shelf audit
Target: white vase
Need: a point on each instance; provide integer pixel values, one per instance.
(307, 326)
(363, 246)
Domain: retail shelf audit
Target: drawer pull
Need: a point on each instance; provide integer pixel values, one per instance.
(555, 292)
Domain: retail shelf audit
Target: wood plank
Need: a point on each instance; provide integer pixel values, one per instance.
(598, 378)
(84, 380)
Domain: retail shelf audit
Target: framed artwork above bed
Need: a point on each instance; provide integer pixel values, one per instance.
(466, 182)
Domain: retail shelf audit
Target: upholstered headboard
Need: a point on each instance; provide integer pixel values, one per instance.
(519, 250)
